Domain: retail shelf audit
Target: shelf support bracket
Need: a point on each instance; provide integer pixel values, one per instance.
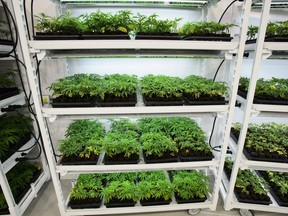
(229, 55)
(41, 54)
(266, 54)
(51, 118)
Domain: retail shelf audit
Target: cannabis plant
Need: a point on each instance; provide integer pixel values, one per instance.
(123, 125)
(3, 32)
(7, 80)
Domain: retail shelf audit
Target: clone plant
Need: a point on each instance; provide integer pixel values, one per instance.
(154, 188)
(190, 186)
(121, 190)
(87, 192)
(199, 89)
(235, 131)
(267, 91)
(121, 147)
(76, 90)
(162, 90)
(20, 177)
(154, 125)
(190, 138)
(216, 31)
(267, 142)
(117, 89)
(251, 188)
(158, 148)
(82, 143)
(15, 131)
(123, 125)
(8, 86)
(279, 186)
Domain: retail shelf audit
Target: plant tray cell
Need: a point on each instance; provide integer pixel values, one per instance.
(115, 162)
(195, 200)
(252, 201)
(163, 103)
(258, 100)
(55, 37)
(90, 103)
(6, 42)
(160, 160)
(16, 147)
(216, 102)
(250, 157)
(4, 211)
(72, 161)
(152, 202)
(8, 92)
(208, 38)
(106, 37)
(195, 158)
(158, 37)
(269, 39)
(124, 203)
(85, 204)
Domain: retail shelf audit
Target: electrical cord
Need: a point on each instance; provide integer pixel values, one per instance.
(226, 10)
(8, 13)
(32, 18)
(210, 138)
(26, 19)
(214, 78)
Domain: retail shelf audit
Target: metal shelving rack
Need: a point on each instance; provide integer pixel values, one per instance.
(262, 50)
(14, 208)
(233, 51)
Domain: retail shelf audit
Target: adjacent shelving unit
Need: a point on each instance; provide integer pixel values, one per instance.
(262, 50)
(232, 51)
(17, 209)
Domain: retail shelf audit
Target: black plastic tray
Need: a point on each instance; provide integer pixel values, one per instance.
(116, 104)
(106, 37)
(269, 39)
(156, 202)
(194, 158)
(163, 103)
(55, 37)
(91, 162)
(252, 201)
(4, 211)
(208, 38)
(163, 160)
(10, 93)
(91, 103)
(85, 205)
(257, 100)
(195, 200)
(250, 157)
(198, 102)
(130, 203)
(233, 136)
(6, 42)
(158, 37)
(115, 162)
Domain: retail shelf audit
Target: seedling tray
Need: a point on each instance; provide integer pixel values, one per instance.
(208, 38)
(6, 42)
(115, 162)
(124, 203)
(8, 92)
(233, 136)
(198, 102)
(106, 37)
(71, 162)
(116, 104)
(195, 200)
(258, 100)
(269, 39)
(252, 201)
(163, 103)
(158, 37)
(160, 160)
(4, 211)
(90, 103)
(55, 37)
(250, 157)
(195, 158)
(85, 205)
(151, 202)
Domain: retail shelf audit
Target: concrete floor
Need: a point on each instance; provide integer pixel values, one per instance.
(46, 205)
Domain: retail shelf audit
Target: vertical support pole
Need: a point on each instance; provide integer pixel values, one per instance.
(249, 102)
(237, 70)
(31, 75)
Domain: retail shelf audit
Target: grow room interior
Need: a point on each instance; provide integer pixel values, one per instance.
(56, 196)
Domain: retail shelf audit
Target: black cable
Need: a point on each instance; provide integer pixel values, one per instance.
(32, 18)
(212, 131)
(25, 158)
(26, 19)
(13, 150)
(8, 13)
(226, 10)
(214, 78)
